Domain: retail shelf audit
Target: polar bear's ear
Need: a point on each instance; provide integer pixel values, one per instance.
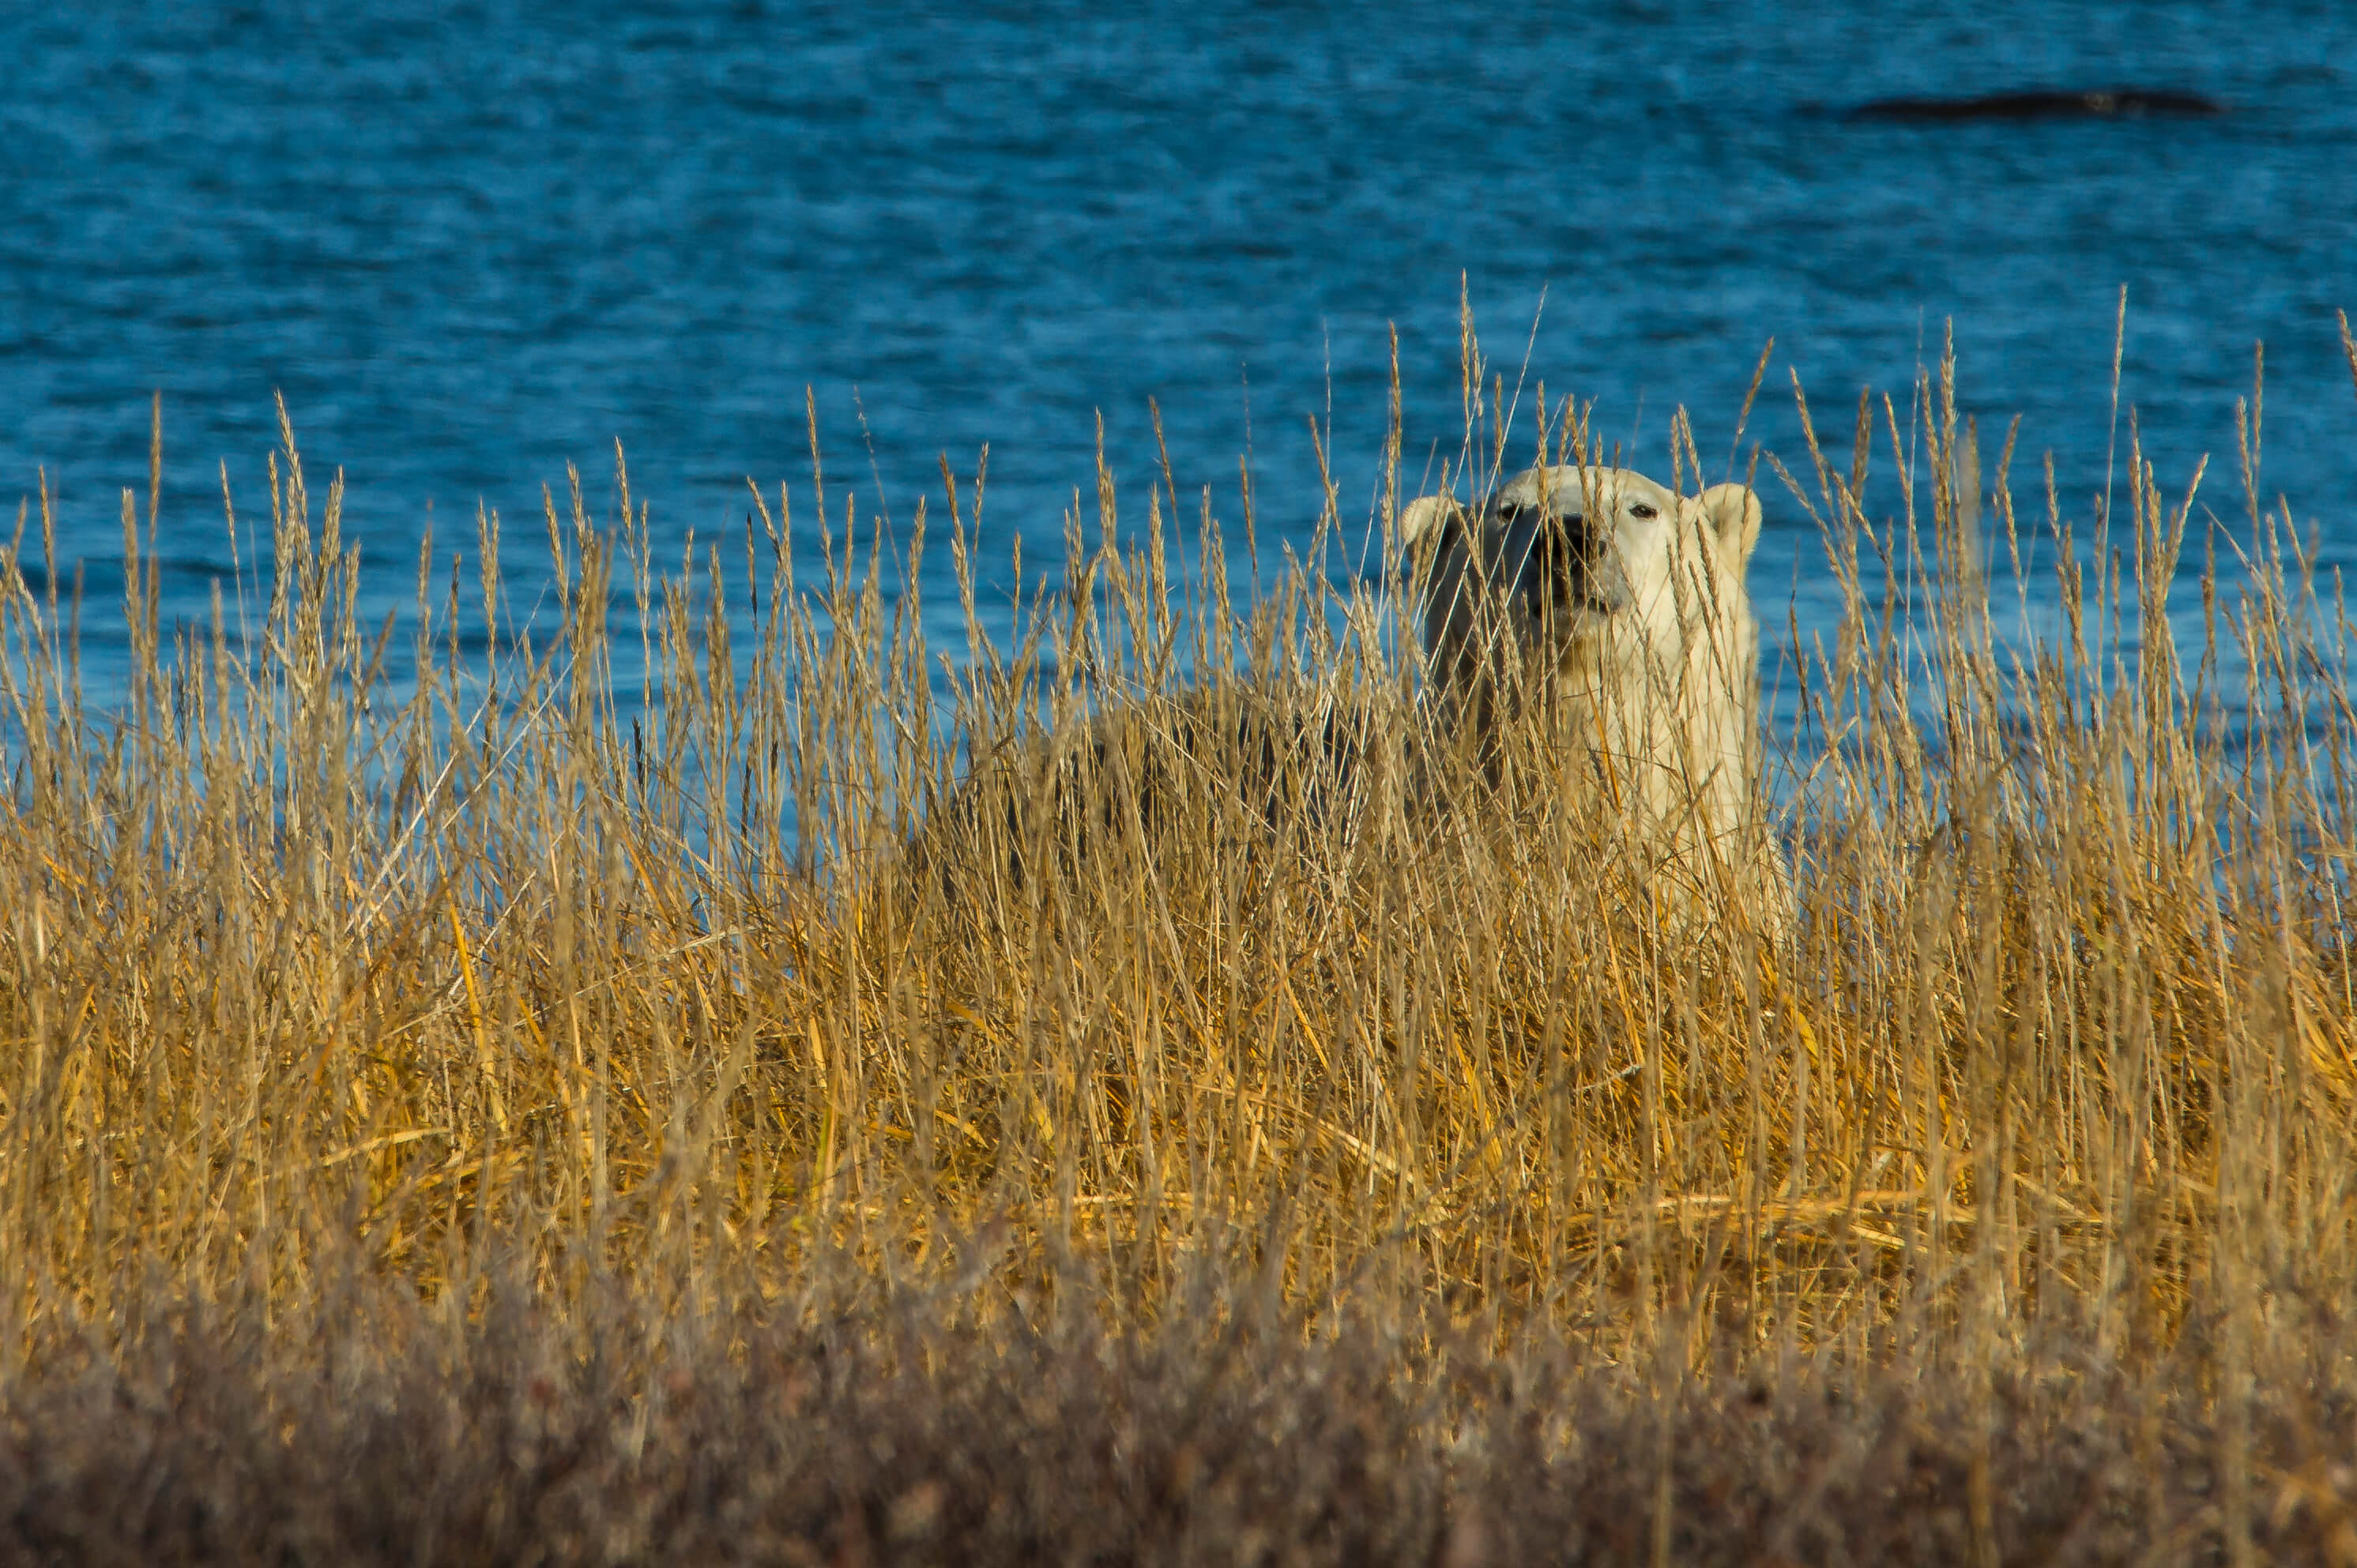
(1732, 513)
(1426, 521)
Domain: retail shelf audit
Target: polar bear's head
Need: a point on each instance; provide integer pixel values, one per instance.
(1568, 573)
(1614, 613)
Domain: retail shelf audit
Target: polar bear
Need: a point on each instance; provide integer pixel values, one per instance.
(1595, 609)
(1587, 608)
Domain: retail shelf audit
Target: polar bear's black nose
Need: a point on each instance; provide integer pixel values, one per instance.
(1559, 565)
(1573, 543)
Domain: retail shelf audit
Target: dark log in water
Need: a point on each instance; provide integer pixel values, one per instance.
(2107, 104)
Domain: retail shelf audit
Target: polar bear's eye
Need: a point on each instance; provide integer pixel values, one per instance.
(1640, 509)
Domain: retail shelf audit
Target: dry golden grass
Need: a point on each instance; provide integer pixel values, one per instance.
(522, 958)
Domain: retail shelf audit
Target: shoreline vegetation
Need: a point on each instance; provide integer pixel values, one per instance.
(525, 1115)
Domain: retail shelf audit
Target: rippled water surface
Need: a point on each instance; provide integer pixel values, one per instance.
(471, 251)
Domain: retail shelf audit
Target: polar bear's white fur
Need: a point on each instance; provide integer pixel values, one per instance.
(1612, 614)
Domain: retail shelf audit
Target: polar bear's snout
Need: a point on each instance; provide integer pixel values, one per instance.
(1572, 570)
(1555, 579)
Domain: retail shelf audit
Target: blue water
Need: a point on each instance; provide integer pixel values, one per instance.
(471, 251)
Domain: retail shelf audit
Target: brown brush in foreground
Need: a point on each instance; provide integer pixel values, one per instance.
(534, 1062)
(356, 1426)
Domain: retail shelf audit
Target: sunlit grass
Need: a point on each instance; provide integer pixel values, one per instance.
(512, 963)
